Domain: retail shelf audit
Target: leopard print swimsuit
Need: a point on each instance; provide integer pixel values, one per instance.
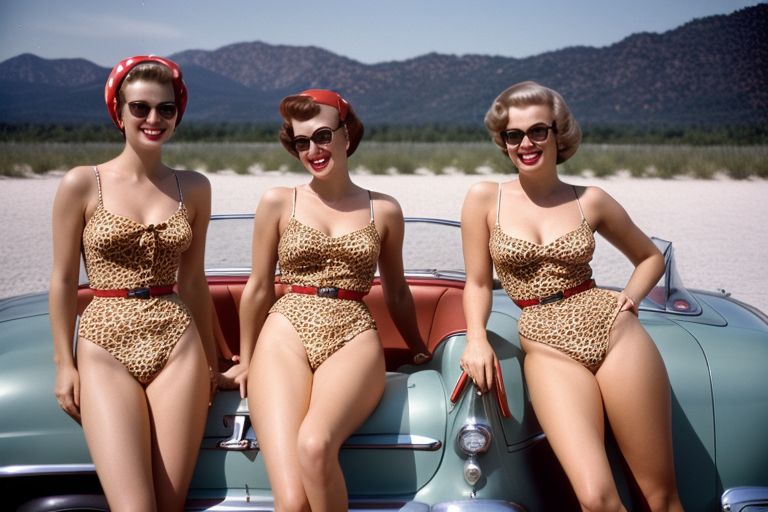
(578, 326)
(309, 257)
(121, 253)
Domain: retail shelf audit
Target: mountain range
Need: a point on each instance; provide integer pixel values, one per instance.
(709, 72)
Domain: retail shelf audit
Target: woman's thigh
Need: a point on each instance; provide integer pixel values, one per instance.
(279, 389)
(346, 389)
(636, 393)
(178, 403)
(567, 401)
(116, 424)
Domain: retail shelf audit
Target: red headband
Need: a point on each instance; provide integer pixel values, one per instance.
(330, 98)
(121, 70)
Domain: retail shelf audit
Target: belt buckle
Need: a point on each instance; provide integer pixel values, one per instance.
(549, 299)
(329, 292)
(139, 293)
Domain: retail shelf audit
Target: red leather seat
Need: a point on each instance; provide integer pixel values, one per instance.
(438, 309)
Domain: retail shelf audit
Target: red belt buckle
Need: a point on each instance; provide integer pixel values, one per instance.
(144, 292)
(329, 292)
(555, 297)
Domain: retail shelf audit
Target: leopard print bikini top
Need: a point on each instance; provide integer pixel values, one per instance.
(122, 253)
(529, 270)
(309, 257)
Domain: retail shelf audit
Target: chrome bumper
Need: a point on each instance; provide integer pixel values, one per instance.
(744, 499)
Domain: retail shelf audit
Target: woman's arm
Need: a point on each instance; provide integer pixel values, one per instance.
(259, 292)
(68, 221)
(614, 224)
(193, 287)
(397, 294)
(478, 359)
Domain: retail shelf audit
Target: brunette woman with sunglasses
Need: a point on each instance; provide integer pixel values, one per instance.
(587, 356)
(317, 370)
(145, 367)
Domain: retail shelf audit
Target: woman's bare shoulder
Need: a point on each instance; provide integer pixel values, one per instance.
(79, 180)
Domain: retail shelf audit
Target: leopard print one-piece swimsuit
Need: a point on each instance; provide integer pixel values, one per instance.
(309, 257)
(578, 326)
(121, 253)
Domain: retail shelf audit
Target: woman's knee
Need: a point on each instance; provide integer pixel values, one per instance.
(661, 496)
(317, 452)
(599, 498)
(291, 500)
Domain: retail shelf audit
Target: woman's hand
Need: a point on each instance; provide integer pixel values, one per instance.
(479, 362)
(237, 376)
(226, 379)
(67, 390)
(627, 304)
(420, 352)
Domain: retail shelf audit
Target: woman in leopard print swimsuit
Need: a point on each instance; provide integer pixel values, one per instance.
(586, 353)
(317, 370)
(140, 381)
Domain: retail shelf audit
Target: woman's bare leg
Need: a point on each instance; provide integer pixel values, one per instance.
(279, 387)
(178, 404)
(346, 389)
(637, 400)
(117, 428)
(568, 405)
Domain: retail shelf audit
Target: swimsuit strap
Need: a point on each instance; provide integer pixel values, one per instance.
(98, 183)
(578, 203)
(178, 186)
(498, 204)
(370, 204)
(293, 206)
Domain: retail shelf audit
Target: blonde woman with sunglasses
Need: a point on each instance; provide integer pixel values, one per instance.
(312, 363)
(586, 355)
(145, 368)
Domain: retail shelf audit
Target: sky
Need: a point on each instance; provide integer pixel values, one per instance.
(105, 31)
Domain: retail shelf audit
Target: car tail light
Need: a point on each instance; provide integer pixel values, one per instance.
(474, 438)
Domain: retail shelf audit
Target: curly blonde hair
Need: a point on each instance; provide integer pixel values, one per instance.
(568, 132)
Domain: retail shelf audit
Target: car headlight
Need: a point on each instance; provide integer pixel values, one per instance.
(474, 438)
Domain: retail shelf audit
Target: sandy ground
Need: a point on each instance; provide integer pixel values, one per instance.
(718, 227)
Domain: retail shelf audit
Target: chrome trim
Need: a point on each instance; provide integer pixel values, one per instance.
(243, 438)
(392, 441)
(472, 470)
(476, 505)
(46, 469)
(238, 503)
(427, 220)
(430, 220)
(736, 499)
(224, 216)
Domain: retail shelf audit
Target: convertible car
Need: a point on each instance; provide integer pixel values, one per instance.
(430, 445)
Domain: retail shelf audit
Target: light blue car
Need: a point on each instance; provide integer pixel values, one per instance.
(428, 446)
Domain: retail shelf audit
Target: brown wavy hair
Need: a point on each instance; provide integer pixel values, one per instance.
(302, 108)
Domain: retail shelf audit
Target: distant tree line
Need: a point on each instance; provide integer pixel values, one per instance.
(249, 132)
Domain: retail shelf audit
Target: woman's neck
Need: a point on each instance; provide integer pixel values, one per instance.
(540, 184)
(142, 163)
(333, 190)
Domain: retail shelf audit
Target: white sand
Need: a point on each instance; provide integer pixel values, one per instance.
(719, 227)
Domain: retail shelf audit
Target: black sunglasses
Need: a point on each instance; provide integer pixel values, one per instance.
(141, 109)
(321, 137)
(536, 133)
